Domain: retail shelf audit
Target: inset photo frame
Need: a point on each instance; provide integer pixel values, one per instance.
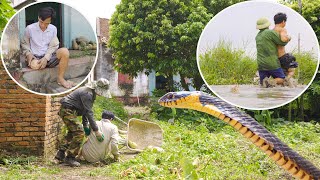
(258, 55)
(49, 48)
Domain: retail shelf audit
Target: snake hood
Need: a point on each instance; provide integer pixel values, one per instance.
(182, 99)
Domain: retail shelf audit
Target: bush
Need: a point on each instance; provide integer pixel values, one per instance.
(113, 105)
(224, 65)
(307, 67)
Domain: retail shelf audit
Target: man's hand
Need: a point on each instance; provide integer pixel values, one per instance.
(43, 63)
(99, 136)
(87, 130)
(29, 59)
(117, 159)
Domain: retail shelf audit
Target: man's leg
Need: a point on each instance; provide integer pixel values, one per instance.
(74, 138)
(278, 75)
(262, 75)
(63, 57)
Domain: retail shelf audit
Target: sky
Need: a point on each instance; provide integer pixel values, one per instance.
(236, 25)
(92, 9)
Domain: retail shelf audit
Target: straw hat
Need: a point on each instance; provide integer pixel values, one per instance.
(101, 87)
(263, 23)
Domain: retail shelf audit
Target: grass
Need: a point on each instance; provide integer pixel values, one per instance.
(191, 151)
(224, 65)
(195, 146)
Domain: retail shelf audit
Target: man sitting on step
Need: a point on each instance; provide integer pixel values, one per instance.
(40, 46)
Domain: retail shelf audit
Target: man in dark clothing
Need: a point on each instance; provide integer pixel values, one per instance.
(267, 41)
(79, 103)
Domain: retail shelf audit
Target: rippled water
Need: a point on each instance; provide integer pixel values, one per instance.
(255, 97)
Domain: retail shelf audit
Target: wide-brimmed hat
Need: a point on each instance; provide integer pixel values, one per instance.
(102, 82)
(101, 87)
(263, 23)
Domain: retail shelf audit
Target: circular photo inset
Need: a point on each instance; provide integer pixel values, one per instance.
(258, 55)
(48, 48)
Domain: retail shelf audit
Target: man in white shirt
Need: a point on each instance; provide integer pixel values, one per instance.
(93, 150)
(40, 46)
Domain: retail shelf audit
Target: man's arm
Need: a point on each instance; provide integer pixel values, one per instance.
(276, 38)
(25, 43)
(87, 103)
(53, 45)
(284, 35)
(25, 46)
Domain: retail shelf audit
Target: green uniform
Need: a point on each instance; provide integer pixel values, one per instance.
(267, 52)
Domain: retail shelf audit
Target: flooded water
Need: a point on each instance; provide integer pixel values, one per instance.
(255, 97)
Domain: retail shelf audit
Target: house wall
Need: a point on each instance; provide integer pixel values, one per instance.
(75, 25)
(105, 69)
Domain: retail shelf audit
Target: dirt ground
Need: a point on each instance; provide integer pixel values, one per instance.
(51, 169)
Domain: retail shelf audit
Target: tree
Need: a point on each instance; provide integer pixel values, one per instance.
(215, 6)
(6, 11)
(310, 11)
(158, 35)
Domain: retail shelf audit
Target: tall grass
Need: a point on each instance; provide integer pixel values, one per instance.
(307, 67)
(224, 65)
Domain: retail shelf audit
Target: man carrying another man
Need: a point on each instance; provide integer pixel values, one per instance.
(270, 45)
(40, 46)
(287, 61)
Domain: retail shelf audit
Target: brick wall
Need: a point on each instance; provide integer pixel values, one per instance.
(28, 122)
(53, 126)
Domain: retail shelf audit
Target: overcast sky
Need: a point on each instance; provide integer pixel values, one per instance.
(92, 9)
(236, 24)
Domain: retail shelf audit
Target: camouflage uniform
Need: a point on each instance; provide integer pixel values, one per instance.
(78, 103)
(73, 139)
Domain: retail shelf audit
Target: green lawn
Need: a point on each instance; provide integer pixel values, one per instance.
(189, 151)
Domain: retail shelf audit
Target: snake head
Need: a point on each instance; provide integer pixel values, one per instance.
(181, 99)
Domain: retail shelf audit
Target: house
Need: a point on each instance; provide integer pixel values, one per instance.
(142, 85)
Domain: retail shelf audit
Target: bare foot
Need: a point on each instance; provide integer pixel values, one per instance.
(71, 83)
(65, 84)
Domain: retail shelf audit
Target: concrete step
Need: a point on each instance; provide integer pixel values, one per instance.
(54, 87)
(43, 80)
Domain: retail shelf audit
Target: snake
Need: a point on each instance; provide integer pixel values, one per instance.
(282, 154)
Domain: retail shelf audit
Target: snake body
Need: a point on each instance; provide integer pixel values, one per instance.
(279, 152)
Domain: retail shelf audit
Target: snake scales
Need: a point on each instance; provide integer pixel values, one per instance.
(283, 155)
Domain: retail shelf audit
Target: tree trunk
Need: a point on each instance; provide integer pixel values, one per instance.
(289, 112)
(301, 113)
(197, 82)
(184, 85)
(170, 82)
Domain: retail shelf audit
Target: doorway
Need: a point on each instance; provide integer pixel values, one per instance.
(32, 16)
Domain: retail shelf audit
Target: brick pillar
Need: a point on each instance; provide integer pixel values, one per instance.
(28, 122)
(53, 126)
(22, 117)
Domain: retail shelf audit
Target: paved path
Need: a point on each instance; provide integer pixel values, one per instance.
(255, 97)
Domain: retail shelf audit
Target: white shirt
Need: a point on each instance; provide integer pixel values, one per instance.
(93, 150)
(40, 40)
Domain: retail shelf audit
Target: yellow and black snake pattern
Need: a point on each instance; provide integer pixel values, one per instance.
(283, 155)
